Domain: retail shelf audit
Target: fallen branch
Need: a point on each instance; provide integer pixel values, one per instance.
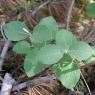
(30, 83)
(5, 48)
(7, 85)
(40, 7)
(3, 53)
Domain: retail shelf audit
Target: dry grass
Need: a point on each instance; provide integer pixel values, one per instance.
(40, 89)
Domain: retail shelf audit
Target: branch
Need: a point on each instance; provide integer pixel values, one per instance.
(69, 14)
(7, 85)
(3, 53)
(33, 82)
(40, 7)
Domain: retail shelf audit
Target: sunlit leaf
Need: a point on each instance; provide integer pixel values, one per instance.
(15, 30)
(67, 71)
(50, 54)
(81, 51)
(31, 65)
(45, 30)
(41, 34)
(21, 47)
(65, 39)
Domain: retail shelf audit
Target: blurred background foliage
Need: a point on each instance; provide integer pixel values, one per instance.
(22, 9)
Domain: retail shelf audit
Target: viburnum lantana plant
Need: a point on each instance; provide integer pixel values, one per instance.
(48, 45)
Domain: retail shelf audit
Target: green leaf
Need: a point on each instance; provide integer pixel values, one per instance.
(68, 74)
(51, 23)
(90, 10)
(14, 31)
(77, 50)
(81, 51)
(45, 30)
(49, 54)
(90, 60)
(31, 65)
(93, 47)
(65, 39)
(65, 60)
(41, 34)
(21, 47)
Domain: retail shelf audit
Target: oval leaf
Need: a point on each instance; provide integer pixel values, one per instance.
(31, 65)
(51, 23)
(41, 34)
(49, 54)
(70, 75)
(22, 47)
(14, 31)
(81, 51)
(65, 39)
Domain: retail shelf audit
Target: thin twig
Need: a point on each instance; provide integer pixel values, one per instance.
(69, 15)
(33, 82)
(40, 7)
(86, 83)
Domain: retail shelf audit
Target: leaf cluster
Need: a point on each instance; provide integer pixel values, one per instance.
(50, 46)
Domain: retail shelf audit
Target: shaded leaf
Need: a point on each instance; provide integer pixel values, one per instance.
(90, 10)
(65, 60)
